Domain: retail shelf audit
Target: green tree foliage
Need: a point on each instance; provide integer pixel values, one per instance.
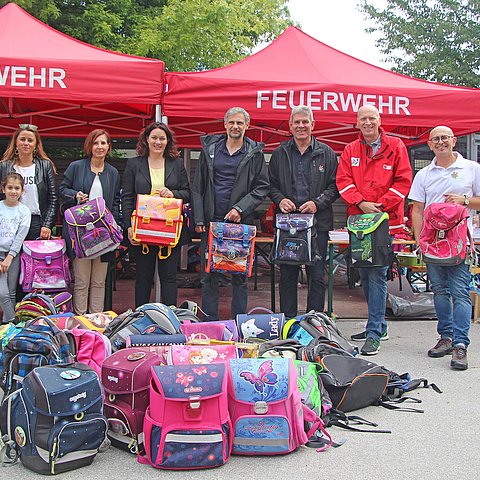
(186, 34)
(436, 40)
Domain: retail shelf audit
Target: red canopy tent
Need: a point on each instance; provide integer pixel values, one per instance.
(297, 69)
(68, 87)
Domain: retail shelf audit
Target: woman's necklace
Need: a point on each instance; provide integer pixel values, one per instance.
(96, 170)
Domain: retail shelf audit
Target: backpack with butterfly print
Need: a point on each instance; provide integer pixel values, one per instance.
(266, 409)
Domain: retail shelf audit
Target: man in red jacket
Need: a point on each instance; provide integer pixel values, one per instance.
(374, 175)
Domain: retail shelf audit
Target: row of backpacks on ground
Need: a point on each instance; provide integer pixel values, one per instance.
(178, 393)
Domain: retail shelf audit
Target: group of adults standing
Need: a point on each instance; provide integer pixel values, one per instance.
(232, 180)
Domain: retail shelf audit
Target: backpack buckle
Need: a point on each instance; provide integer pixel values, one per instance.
(193, 409)
(89, 226)
(194, 402)
(441, 234)
(260, 408)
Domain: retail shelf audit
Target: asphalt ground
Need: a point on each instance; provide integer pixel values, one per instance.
(439, 443)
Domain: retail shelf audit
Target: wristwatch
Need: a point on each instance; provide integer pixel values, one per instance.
(467, 200)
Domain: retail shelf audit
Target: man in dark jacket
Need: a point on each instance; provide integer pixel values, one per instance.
(302, 175)
(230, 183)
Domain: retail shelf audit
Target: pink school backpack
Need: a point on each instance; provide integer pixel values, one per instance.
(187, 425)
(92, 348)
(444, 233)
(44, 265)
(92, 229)
(126, 381)
(266, 408)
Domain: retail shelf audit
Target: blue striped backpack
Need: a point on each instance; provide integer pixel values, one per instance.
(40, 342)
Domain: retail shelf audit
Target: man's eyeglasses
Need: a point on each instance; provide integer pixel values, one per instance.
(28, 126)
(441, 138)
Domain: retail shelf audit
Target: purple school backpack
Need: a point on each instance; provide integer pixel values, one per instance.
(44, 265)
(92, 229)
(187, 425)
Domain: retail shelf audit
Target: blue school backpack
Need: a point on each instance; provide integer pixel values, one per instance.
(54, 423)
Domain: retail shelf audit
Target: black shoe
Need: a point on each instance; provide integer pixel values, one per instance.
(442, 348)
(370, 347)
(362, 336)
(459, 358)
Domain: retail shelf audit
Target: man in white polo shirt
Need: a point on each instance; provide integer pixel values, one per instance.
(449, 178)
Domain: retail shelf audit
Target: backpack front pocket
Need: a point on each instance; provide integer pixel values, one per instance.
(68, 438)
(182, 449)
(262, 435)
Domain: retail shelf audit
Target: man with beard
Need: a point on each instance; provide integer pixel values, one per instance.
(230, 183)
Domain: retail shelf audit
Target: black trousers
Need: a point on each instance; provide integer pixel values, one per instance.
(145, 271)
(315, 279)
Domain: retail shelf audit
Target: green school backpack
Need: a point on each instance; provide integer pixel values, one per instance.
(312, 392)
(370, 241)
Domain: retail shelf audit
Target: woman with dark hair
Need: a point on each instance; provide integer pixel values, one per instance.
(157, 170)
(84, 180)
(25, 155)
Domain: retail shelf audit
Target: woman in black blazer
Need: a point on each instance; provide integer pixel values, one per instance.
(158, 170)
(86, 179)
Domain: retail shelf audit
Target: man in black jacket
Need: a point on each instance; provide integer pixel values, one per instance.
(230, 183)
(302, 175)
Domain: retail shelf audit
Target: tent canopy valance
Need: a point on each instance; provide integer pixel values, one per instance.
(298, 69)
(68, 87)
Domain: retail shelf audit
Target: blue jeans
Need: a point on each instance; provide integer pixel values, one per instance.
(374, 283)
(210, 285)
(453, 305)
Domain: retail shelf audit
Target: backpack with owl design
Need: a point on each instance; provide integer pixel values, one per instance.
(266, 408)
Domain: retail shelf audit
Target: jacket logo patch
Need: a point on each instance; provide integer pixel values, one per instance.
(355, 161)
(387, 167)
(321, 168)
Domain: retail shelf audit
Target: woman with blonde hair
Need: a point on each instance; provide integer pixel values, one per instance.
(25, 155)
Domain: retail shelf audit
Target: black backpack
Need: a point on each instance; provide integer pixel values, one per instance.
(353, 382)
(295, 239)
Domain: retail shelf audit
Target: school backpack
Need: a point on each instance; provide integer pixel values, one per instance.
(148, 318)
(92, 229)
(55, 420)
(295, 239)
(352, 382)
(370, 242)
(444, 233)
(92, 348)
(158, 221)
(319, 327)
(187, 425)
(266, 409)
(89, 321)
(261, 323)
(230, 248)
(44, 265)
(37, 304)
(39, 343)
(126, 381)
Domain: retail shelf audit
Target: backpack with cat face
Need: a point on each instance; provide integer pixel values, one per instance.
(261, 323)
